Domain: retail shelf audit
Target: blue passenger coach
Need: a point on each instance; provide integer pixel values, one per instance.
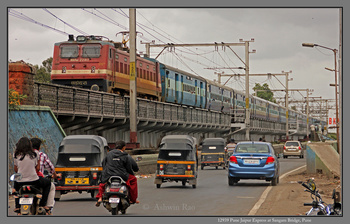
(182, 87)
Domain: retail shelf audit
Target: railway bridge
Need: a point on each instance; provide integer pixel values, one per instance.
(82, 111)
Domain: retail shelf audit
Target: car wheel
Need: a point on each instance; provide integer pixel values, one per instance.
(274, 181)
(231, 181)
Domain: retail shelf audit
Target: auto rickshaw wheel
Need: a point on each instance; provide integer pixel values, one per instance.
(158, 185)
(93, 193)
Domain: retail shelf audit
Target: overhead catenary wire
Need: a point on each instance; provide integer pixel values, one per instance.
(19, 15)
(71, 26)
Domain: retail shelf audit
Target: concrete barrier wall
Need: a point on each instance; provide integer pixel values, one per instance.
(33, 121)
(322, 158)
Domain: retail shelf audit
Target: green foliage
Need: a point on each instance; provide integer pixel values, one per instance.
(43, 73)
(15, 99)
(266, 94)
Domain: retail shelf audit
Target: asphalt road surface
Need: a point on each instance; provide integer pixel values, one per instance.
(212, 197)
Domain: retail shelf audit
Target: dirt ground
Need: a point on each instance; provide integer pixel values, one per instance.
(288, 197)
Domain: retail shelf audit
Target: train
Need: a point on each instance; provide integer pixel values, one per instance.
(97, 63)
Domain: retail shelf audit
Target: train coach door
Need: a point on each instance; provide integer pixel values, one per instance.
(176, 87)
(196, 92)
(201, 95)
(112, 80)
(181, 87)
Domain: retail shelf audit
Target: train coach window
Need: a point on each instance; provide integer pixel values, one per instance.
(91, 51)
(69, 51)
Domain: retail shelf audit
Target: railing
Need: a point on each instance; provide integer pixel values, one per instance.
(81, 102)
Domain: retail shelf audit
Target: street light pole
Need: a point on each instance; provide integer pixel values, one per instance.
(336, 85)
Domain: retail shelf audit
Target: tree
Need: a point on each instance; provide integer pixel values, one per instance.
(43, 73)
(267, 94)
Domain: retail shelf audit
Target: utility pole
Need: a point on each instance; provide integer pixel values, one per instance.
(286, 74)
(307, 106)
(287, 105)
(247, 116)
(133, 91)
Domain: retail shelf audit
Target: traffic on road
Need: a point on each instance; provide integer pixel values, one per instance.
(208, 191)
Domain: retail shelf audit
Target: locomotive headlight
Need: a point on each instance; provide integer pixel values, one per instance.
(64, 69)
(93, 69)
(81, 39)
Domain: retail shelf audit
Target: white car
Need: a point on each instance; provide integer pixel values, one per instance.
(293, 148)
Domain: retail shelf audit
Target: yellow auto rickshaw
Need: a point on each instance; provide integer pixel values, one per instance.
(177, 160)
(213, 153)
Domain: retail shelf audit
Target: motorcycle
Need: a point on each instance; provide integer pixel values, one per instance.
(29, 198)
(319, 207)
(116, 196)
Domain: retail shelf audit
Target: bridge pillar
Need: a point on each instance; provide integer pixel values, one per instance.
(21, 79)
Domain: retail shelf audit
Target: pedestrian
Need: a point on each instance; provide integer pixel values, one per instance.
(45, 163)
(26, 163)
(119, 163)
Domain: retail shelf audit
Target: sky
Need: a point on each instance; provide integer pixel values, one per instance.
(278, 35)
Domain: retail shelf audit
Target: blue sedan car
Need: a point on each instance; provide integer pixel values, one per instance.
(253, 160)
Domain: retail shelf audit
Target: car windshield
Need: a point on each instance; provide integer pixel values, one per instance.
(252, 148)
(292, 143)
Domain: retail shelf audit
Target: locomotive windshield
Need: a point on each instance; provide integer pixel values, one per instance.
(69, 51)
(91, 51)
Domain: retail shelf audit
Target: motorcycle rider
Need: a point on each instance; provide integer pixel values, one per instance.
(119, 163)
(26, 162)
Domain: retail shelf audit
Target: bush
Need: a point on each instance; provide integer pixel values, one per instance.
(15, 99)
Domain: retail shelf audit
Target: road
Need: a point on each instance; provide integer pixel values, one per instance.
(212, 197)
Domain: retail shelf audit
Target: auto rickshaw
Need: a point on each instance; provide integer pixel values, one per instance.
(213, 153)
(177, 160)
(79, 162)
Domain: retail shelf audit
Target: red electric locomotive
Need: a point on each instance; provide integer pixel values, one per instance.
(97, 63)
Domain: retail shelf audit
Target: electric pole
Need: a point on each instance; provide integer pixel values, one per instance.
(133, 76)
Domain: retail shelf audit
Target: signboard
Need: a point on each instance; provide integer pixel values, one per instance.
(332, 121)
